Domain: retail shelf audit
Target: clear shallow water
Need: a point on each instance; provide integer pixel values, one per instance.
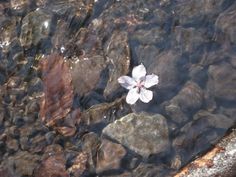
(61, 109)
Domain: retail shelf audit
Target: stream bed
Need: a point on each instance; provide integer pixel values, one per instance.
(62, 110)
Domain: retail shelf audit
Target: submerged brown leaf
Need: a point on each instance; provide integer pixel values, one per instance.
(58, 92)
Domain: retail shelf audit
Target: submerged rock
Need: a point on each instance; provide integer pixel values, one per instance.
(195, 12)
(150, 170)
(52, 166)
(5, 172)
(105, 112)
(149, 36)
(35, 27)
(118, 54)
(226, 23)
(166, 67)
(19, 4)
(73, 14)
(22, 163)
(145, 134)
(214, 120)
(109, 156)
(190, 98)
(79, 165)
(188, 39)
(221, 83)
(91, 143)
(88, 63)
(199, 134)
(8, 33)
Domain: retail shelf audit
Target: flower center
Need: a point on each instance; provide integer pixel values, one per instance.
(140, 85)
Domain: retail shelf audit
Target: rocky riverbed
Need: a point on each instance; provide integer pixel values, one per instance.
(62, 110)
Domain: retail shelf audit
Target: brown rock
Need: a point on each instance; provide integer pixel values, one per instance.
(109, 156)
(52, 166)
(22, 163)
(37, 143)
(67, 127)
(19, 4)
(4, 172)
(91, 143)
(12, 144)
(79, 165)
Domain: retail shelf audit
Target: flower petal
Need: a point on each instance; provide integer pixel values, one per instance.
(145, 95)
(151, 80)
(132, 96)
(127, 82)
(138, 72)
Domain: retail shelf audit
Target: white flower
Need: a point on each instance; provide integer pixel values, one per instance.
(137, 85)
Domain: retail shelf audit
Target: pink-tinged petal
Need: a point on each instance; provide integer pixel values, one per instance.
(138, 72)
(126, 82)
(132, 96)
(151, 80)
(145, 95)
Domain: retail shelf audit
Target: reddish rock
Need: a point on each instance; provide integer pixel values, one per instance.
(79, 165)
(67, 127)
(109, 156)
(52, 166)
(4, 172)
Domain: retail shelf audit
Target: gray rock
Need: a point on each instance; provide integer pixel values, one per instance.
(105, 112)
(8, 33)
(226, 23)
(150, 170)
(219, 161)
(35, 27)
(145, 134)
(229, 112)
(118, 54)
(145, 53)
(188, 39)
(198, 135)
(221, 83)
(165, 66)
(191, 11)
(189, 98)
(214, 120)
(91, 61)
(149, 37)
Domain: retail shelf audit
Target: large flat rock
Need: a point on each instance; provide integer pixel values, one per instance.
(145, 134)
